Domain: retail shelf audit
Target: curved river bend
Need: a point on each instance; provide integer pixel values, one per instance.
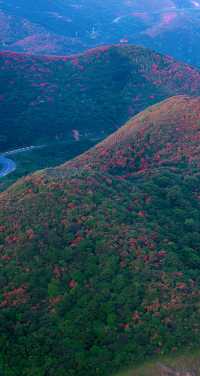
(7, 165)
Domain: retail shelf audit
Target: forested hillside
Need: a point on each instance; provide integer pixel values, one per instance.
(100, 256)
(90, 95)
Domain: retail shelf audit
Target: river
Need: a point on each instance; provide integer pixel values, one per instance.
(7, 165)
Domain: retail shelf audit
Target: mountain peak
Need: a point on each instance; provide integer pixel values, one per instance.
(164, 133)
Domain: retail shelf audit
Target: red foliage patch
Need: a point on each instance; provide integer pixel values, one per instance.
(14, 297)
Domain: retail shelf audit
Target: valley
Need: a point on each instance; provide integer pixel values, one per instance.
(8, 165)
(70, 103)
(29, 160)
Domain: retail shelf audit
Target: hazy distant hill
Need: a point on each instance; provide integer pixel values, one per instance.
(55, 26)
(100, 257)
(63, 27)
(90, 95)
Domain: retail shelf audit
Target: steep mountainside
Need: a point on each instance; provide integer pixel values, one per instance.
(100, 256)
(48, 98)
(65, 27)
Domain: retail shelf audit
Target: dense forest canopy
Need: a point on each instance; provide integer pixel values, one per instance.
(100, 256)
(48, 98)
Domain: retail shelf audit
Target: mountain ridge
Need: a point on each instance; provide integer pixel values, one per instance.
(55, 96)
(67, 27)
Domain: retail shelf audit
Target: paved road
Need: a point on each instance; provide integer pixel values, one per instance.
(6, 166)
(22, 150)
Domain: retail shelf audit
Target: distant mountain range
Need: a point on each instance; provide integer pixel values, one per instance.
(100, 256)
(90, 95)
(64, 27)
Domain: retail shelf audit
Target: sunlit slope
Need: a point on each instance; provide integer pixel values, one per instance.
(100, 257)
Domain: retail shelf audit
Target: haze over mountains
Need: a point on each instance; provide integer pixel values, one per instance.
(100, 257)
(65, 27)
(45, 99)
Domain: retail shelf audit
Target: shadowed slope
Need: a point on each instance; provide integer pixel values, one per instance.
(47, 98)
